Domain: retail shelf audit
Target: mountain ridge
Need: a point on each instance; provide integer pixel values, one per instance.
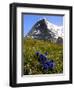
(43, 29)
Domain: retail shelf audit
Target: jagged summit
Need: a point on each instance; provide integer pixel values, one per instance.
(43, 29)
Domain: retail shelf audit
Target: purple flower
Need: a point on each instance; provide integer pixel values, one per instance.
(50, 64)
(37, 53)
(42, 58)
(45, 66)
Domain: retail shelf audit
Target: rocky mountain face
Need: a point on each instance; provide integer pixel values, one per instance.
(44, 30)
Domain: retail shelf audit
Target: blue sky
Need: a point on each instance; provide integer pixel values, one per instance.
(29, 20)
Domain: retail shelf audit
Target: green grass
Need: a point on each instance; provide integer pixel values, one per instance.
(32, 65)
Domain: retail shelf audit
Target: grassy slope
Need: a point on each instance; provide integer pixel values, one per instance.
(31, 64)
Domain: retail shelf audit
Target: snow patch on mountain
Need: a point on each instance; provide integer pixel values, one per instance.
(58, 30)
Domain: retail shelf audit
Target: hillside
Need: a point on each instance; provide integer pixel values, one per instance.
(32, 65)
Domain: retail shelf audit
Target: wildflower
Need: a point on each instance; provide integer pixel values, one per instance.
(37, 53)
(42, 58)
(50, 64)
(45, 66)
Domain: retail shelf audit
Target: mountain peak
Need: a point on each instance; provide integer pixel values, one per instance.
(43, 29)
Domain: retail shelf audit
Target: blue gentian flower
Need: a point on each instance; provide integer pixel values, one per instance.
(37, 53)
(42, 58)
(45, 66)
(50, 64)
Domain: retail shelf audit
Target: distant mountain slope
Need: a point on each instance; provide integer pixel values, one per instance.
(45, 30)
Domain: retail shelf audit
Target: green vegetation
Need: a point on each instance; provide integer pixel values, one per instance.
(32, 65)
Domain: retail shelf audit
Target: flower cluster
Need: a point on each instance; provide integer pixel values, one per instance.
(46, 64)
